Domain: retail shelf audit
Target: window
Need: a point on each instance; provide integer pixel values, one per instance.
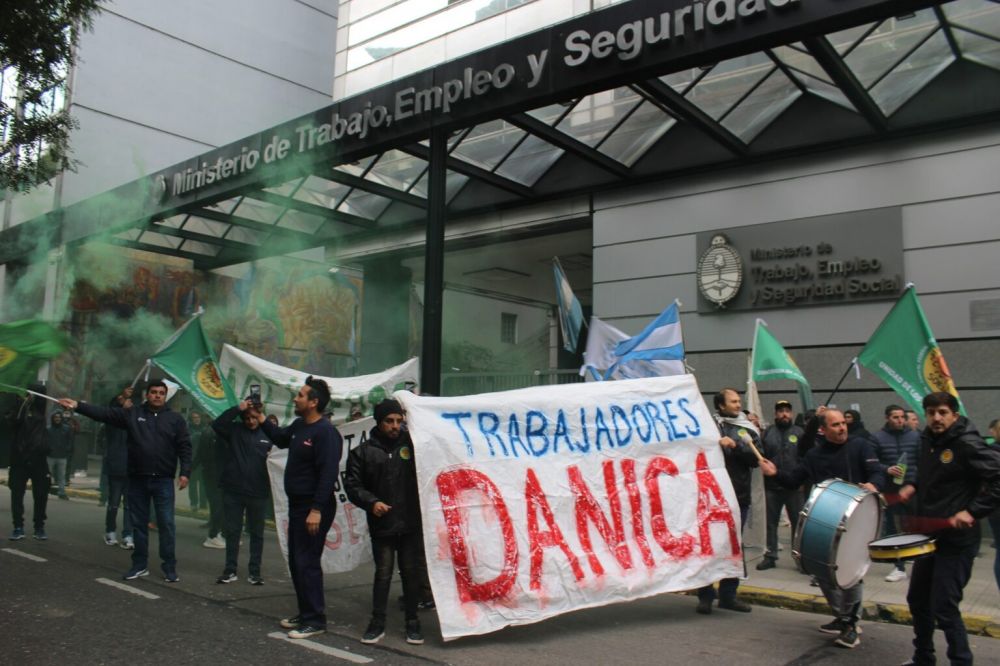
(508, 328)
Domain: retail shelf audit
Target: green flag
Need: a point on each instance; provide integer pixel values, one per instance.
(188, 358)
(769, 360)
(904, 353)
(24, 347)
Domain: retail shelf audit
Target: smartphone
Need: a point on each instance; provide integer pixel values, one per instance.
(255, 395)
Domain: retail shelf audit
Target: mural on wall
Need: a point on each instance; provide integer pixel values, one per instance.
(291, 312)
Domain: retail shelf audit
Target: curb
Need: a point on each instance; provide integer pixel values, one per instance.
(977, 625)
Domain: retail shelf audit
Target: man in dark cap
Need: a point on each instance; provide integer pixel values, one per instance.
(382, 480)
(28, 461)
(781, 446)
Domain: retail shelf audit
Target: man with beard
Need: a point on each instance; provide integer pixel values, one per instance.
(957, 485)
(781, 446)
(314, 449)
(852, 459)
(382, 480)
(739, 436)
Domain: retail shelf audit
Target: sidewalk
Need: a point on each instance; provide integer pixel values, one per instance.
(781, 587)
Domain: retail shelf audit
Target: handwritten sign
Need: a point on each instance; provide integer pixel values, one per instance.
(544, 500)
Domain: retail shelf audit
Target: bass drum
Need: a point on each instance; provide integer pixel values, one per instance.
(836, 525)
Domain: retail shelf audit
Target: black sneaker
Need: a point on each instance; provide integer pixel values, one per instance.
(848, 638)
(765, 564)
(136, 572)
(374, 632)
(704, 607)
(426, 605)
(306, 631)
(226, 578)
(255, 580)
(291, 622)
(413, 634)
(736, 605)
(837, 626)
(170, 575)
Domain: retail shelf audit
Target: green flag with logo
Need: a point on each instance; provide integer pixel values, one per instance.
(769, 360)
(904, 353)
(24, 347)
(189, 359)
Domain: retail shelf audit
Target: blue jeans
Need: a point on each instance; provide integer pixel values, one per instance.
(159, 490)
(57, 468)
(117, 491)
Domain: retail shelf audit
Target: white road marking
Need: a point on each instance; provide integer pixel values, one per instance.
(27, 556)
(128, 588)
(319, 647)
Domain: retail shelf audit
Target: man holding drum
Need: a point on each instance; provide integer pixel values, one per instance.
(836, 456)
(957, 485)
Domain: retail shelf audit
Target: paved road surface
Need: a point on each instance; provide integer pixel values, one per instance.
(73, 607)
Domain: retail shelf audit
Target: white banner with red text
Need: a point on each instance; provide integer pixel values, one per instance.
(545, 500)
(347, 542)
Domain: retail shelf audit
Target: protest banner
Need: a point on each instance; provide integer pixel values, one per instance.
(347, 542)
(279, 384)
(545, 500)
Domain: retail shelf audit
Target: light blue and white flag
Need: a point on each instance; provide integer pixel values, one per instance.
(602, 338)
(655, 352)
(570, 312)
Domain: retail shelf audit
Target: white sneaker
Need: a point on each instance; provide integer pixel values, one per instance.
(128, 543)
(895, 576)
(214, 542)
(110, 539)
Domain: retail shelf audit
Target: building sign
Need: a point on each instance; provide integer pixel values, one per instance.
(592, 52)
(829, 260)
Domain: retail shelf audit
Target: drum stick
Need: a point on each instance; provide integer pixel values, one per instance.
(746, 438)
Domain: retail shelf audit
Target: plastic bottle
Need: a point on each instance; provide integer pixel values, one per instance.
(901, 464)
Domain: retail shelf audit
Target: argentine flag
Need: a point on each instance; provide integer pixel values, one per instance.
(570, 312)
(657, 351)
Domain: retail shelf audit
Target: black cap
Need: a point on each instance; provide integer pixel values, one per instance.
(386, 407)
(782, 403)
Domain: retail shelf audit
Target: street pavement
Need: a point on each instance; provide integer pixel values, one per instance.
(63, 600)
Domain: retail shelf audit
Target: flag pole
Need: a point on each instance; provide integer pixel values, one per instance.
(853, 364)
(36, 393)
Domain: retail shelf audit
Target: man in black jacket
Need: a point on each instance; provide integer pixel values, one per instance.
(739, 436)
(314, 449)
(244, 484)
(851, 459)
(28, 461)
(116, 462)
(382, 480)
(781, 446)
(957, 485)
(157, 439)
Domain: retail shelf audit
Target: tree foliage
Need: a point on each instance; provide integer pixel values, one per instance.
(37, 50)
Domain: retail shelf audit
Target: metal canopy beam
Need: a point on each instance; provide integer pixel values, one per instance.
(683, 109)
(569, 144)
(314, 209)
(291, 236)
(374, 188)
(472, 171)
(844, 78)
(198, 259)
